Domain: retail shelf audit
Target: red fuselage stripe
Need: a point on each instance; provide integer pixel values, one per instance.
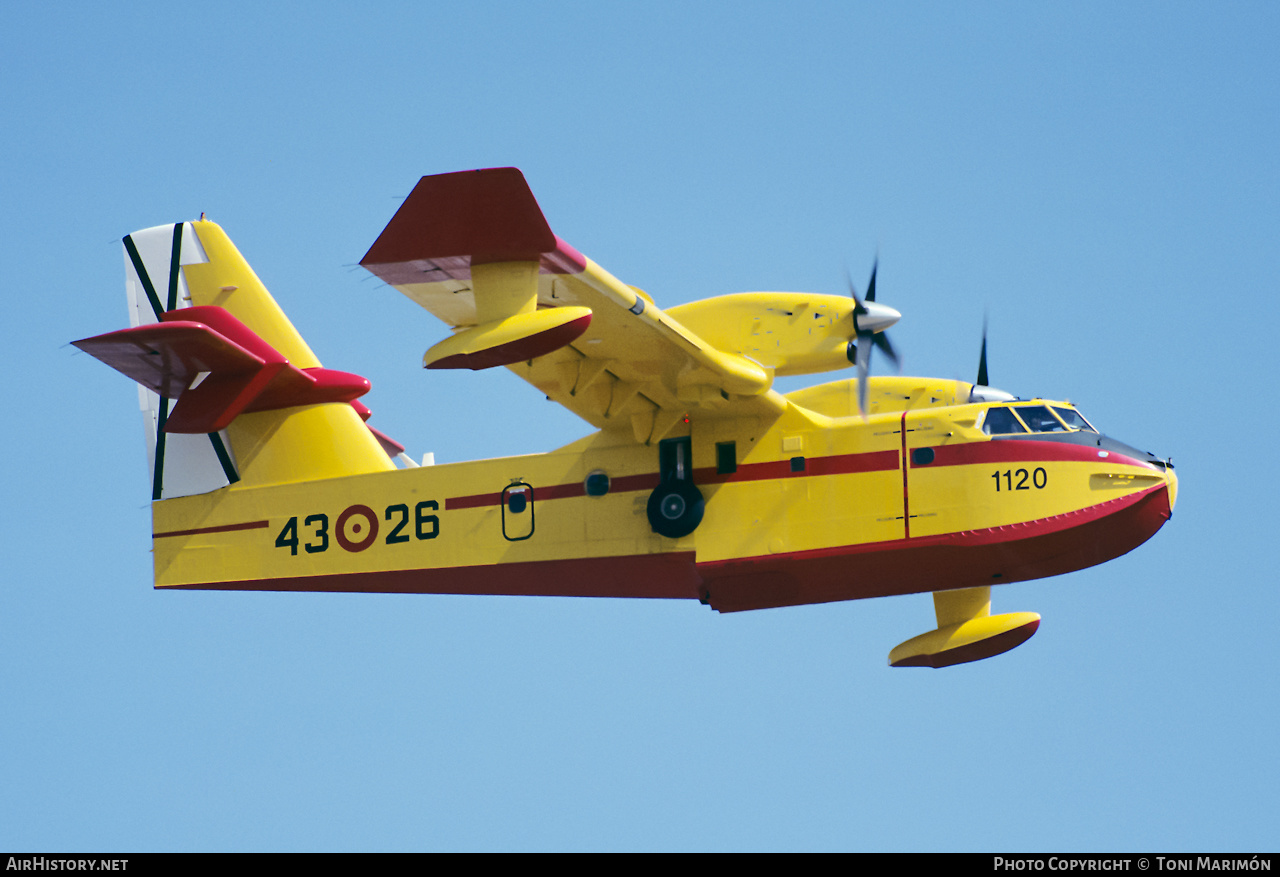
(225, 528)
(1024, 451)
(839, 464)
(969, 453)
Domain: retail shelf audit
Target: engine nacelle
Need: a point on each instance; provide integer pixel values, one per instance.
(793, 333)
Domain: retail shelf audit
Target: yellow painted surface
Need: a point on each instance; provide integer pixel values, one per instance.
(227, 281)
(504, 289)
(812, 473)
(884, 394)
(462, 536)
(956, 607)
(758, 516)
(806, 473)
(956, 636)
(306, 443)
(626, 365)
(793, 333)
(287, 445)
(503, 331)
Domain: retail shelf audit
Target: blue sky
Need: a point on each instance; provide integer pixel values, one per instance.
(1100, 178)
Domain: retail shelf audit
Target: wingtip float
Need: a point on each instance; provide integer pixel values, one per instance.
(701, 480)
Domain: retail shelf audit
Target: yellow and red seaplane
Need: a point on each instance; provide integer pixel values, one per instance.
(700, 481)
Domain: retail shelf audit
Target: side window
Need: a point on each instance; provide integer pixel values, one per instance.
(726, 458)
(1000, 421)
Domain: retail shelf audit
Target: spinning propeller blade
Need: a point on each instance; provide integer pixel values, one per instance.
(982, 358)
(865, 336)
(982, 390)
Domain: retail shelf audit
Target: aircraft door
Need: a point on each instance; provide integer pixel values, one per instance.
(929, 489)
(517, 511)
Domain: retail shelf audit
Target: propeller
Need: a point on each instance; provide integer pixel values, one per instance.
(982, 357)
(982, 390)
(870, 320)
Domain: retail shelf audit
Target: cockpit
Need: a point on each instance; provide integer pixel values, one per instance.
(1028, 418)
(1057, 422)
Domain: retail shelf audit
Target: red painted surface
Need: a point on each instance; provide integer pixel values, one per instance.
(1022, 451)
(837, 464)
(221, 321)
(166, 357)
(370, 527)
(245, 373)
(959, 560)
(1030, 550)
(389, 445)
(225, 528)
(668, 576)
(450, 222)
(564, 259)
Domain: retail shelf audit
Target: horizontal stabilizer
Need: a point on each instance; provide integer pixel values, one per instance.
(217, 369)
(166, 358)
(392, 447)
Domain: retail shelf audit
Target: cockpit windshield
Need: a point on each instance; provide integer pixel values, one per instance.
(1019, 419)
(1073, 419)
(1038, 418)
(1033, 419)
(1000, 421)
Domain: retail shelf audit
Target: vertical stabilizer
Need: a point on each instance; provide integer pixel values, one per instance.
(225, 279)
(291, 420)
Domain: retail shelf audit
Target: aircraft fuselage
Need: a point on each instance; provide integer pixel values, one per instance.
(809, 508)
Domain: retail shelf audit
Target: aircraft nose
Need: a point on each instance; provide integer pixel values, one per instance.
(1106, 444)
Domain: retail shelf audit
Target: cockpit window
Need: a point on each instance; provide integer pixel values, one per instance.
(1039, 419)
(1000, 421)
(1073, 419)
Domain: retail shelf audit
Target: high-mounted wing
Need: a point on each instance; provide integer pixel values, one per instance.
(474, 249)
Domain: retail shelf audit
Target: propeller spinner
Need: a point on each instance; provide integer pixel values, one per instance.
(870, 320)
